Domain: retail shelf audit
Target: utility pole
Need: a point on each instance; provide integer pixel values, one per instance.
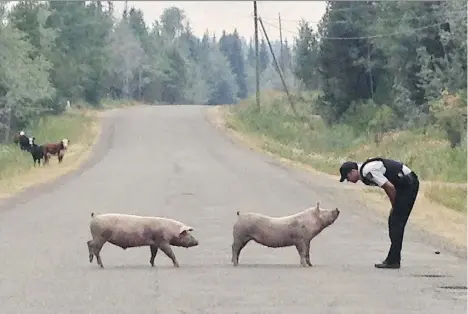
(291, 101)
(125, 10)
(369, 69)
(278, 68)
(281, 43)
(257, 63)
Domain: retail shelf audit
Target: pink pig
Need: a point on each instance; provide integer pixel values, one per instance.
(298, 230)
(128, 231)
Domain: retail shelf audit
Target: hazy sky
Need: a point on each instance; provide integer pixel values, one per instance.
(219, 15)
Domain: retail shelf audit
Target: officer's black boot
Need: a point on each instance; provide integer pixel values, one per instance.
(393, 258)
(388, 265)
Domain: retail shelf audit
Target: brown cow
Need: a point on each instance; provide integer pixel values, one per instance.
(55, 149)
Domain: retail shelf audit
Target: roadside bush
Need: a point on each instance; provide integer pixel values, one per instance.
(450, 114)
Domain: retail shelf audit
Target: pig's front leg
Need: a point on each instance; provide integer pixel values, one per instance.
(166, 248)
(154, 251)
(307, 254)
(301, 249)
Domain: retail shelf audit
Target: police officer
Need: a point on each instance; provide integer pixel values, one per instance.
(400, 184)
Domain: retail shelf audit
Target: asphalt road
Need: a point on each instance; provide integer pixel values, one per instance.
(170, 161)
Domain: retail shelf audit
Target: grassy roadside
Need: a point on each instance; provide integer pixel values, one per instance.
(17, 172)
(325, 148)
(433, 212)
(81, 125)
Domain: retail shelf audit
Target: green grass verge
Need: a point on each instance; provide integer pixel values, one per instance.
(449, 196)
(324, 148)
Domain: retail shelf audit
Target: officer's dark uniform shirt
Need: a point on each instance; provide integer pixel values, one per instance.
(375, 170)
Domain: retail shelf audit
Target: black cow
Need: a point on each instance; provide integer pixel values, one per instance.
(23, 140)
(37, 152)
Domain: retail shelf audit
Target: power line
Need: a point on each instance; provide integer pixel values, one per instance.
(416, 18)
(353, 8)
(371, 36)
(411, 30)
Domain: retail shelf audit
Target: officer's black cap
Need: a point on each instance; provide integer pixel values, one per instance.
(346, 168)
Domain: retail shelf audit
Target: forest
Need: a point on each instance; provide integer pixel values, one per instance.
(53, 52)
(374, 66)
(388, 65)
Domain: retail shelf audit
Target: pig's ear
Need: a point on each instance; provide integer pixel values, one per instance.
(184, 229)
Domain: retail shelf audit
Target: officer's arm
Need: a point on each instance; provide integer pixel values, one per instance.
(389, 188)
(377, 176)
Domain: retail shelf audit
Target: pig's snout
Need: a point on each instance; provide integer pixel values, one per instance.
(336, 213)
(191, 242)
(329, 216)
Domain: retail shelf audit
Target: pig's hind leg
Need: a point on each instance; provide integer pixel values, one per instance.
(238, 244)
(154, 251)
(94, 248)
(90, 251)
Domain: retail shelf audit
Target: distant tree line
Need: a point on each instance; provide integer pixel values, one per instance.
(388, 65)
(52, 52)
(378, 65)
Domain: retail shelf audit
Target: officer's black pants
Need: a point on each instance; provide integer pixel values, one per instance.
(404, 202)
